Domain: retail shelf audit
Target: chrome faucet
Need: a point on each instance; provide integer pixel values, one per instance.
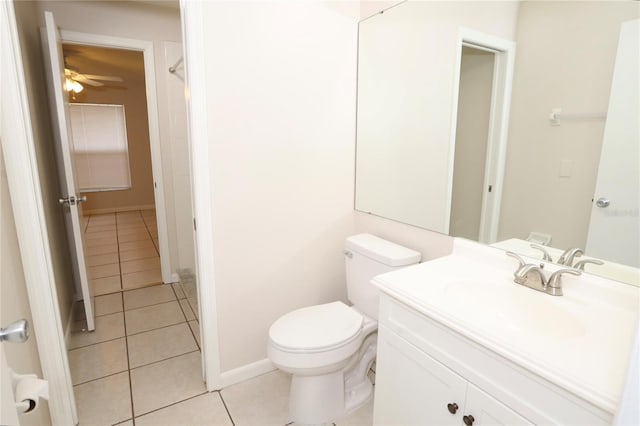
(568, 255)
(545, 254)
(531, 275)
(579, 265)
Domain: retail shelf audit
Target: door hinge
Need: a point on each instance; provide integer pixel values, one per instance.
(490, 188)
(194, 223)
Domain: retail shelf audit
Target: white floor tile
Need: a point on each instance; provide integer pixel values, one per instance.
(127, 255)
(106, 285)
(178, 289)
(96, 361)
(102, 259)
(108, 327)
(159, 344)
(361, 417)
(203, 410)
(103, 271)
(140, 265)
(186, 308)
(148, 296)
(141, 279)
(195, 328)
(136, 245)
(108, 304)
(152, 317)
(263, 400)
(104, 401)
(166, 382)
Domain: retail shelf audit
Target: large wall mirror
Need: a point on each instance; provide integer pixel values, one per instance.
(509, 123)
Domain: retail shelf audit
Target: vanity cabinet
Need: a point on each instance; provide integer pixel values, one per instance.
(430, 374)
(414, 389)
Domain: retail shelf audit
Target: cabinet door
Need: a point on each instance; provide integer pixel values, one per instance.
(412, 388)
(482, 409)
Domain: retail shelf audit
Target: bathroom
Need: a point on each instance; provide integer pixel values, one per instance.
(275, 200)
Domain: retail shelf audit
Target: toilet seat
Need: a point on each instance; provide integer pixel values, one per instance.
(318, 328)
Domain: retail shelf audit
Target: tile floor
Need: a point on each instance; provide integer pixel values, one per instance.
(142, 364)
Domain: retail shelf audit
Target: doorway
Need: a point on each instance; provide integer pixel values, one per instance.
(474, 110)
(482, 95)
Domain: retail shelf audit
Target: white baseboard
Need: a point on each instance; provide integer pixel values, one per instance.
(246, 372)
(120, 209)
(175, 278)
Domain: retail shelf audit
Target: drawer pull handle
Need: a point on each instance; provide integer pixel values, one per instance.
(468, 420)
(452, 408)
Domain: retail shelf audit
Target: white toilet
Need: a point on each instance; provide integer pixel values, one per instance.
(329, 348)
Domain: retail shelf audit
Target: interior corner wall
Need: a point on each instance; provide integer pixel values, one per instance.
(141, 21)
(28, 22)
(561, 62)
(281, 87)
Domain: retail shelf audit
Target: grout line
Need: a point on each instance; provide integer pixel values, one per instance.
(226, 408)
(158, 328)
(173, 403)
(126, 340)
(165, 359)
(188, 321)
(100, 378)
(153, 304)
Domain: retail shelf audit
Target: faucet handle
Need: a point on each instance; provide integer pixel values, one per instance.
(579, 265)
(566, 258)
(545, 254)
(517, 257)
(555, 280)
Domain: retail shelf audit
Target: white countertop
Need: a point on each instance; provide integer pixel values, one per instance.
(580, 341)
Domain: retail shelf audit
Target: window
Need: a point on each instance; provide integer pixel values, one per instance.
(100, 150)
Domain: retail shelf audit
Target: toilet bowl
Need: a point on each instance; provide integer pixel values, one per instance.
(329, 348)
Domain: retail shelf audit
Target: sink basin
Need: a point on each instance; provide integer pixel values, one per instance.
(581, 339)
(512, 309)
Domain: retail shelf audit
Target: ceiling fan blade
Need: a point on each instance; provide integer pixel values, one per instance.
(83, 79)
(103, 77)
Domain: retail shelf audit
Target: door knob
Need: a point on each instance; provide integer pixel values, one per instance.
(16, 332)
(72, 200)
(453, 407)
(468, 420)
(603, 202)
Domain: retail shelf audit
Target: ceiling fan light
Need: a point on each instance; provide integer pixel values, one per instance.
(77, 87)
(68, 84)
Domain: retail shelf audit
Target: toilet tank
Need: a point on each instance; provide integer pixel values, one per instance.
(367, 256)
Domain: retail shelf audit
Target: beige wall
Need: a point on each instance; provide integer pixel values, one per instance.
(14, 303)
(472, 129)
(281, 90)
(142, 22)
(130, 93)
(28, 27)
(565, 58)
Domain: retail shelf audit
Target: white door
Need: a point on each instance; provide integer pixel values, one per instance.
(482, 409)
(59, 107)
(614, 230)
(8, 413)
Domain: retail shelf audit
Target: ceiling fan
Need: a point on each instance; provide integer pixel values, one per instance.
(74, 80)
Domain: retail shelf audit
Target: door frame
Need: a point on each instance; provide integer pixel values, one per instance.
(146, 47)
(195, 54)
(23, 179)
(503, 67)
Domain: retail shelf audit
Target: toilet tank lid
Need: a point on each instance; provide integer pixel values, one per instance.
(381, 250)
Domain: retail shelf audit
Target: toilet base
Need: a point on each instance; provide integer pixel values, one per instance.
(323, 399)
(316, 400)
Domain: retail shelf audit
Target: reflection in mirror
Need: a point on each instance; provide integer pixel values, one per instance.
(425, 135)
